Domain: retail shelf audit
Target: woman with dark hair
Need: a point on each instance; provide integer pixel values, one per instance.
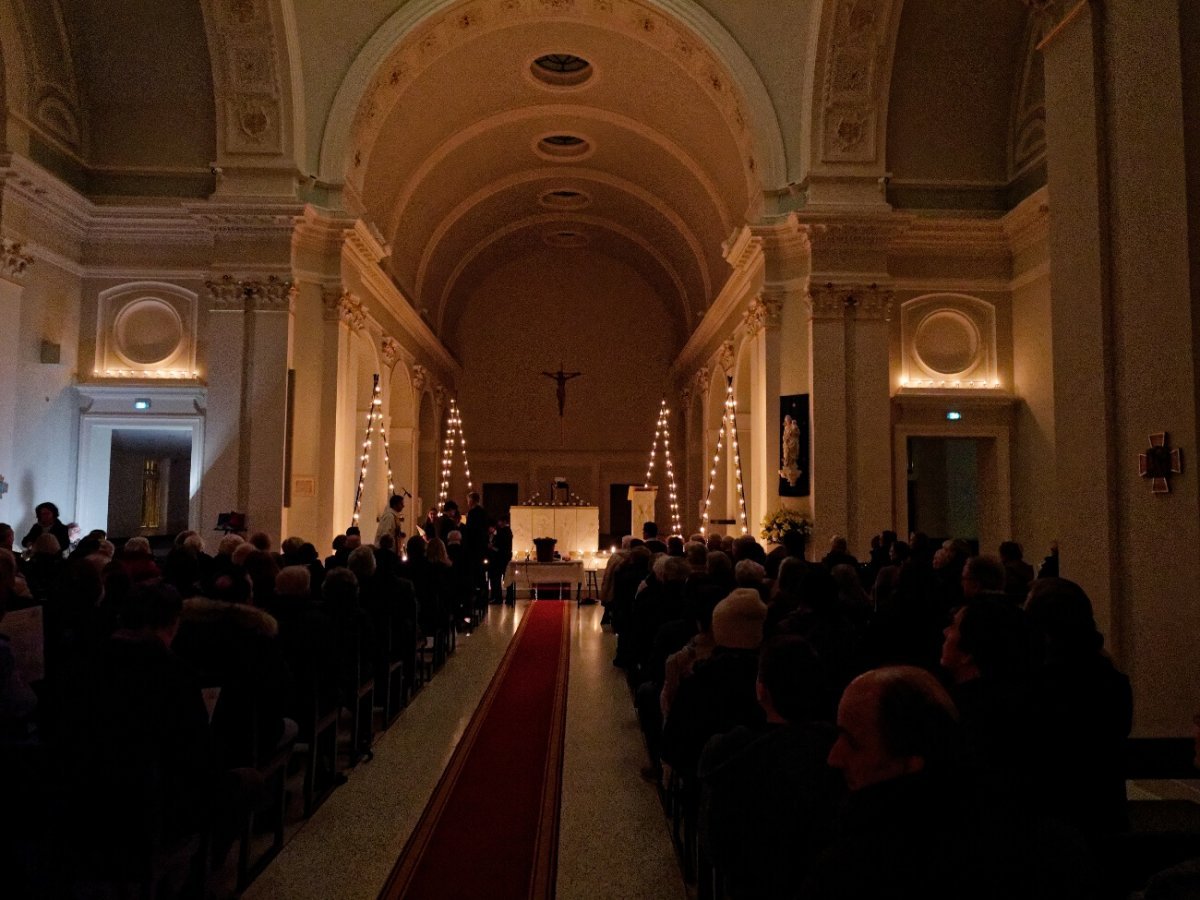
(47, 522)
(1081, 712)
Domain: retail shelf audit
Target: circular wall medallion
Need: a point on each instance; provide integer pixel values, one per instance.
(565, 198)
(560, 146)
(947, 343)
(561, 70)
(147, 332)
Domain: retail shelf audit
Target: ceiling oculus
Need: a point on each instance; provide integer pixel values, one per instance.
(565, 198)
(563, 147)
(561, 70)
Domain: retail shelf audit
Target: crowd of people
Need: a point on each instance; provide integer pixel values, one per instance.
(931, 722)
(165, 683)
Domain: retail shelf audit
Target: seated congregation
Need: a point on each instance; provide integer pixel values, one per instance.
(928, 724)
(186, 699)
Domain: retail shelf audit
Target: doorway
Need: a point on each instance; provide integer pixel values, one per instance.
(943, 487)
(149, 473)
(620, 513)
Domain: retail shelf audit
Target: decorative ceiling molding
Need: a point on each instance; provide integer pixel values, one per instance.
(267, 293)
(14, 260)
(463, 136)
(852, 82)
(254, 82)
(556, 174)
(51, 102)
(421, 31)
(1028, 224)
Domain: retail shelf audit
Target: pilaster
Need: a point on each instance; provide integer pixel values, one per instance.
(14, 261)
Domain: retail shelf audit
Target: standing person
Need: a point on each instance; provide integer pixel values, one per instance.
(391, 522)
(430, 524)
(47, 522)
(499, 556)
(449, 520)
(475, 542)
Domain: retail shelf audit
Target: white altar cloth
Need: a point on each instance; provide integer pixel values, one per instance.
(576, 528)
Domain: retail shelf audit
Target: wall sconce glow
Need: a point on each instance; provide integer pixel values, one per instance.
(141, 403)
(953, 415)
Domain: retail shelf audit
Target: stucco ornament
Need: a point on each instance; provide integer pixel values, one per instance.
(14, 260)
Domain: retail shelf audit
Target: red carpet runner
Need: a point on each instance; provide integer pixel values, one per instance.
(491, 828)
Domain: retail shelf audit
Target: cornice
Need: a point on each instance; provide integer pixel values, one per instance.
(1028, 223)
(362, 251)
(952, 237)
(744, 252)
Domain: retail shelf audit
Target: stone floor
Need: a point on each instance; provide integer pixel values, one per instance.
(613, 843)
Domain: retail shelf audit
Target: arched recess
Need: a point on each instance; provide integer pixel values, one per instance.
(682, 27)
(401, 420)
(428, 444)
(14, 75)
(743, 394)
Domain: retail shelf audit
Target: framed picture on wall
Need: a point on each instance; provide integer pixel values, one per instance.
(794, 478)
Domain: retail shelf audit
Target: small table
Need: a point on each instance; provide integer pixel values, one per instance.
(526, 575)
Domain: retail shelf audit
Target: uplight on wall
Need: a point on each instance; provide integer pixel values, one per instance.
(953, 415)
(141, 403)
(974, 384)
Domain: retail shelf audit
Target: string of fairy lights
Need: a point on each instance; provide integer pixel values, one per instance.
(662, 431)
(728, 424)
(454, 430)
(374, 422)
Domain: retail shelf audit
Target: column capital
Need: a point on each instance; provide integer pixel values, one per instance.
(865, 301)
(14, 260)
(343, 306)
(390, 350)
(764, 312)
(249, 294)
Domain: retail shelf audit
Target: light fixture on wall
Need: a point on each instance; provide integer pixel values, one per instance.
(662, 430)
(728, 422)
(454, 431)
(141, 403)
(953, 415)
(374, 421)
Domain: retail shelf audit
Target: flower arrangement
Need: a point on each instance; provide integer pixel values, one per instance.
(777, 524)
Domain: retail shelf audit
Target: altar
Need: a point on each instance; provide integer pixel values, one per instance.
(525, 576)
(576, 528)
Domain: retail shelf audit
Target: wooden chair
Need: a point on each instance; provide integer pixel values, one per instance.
(319, 722)
(359, 696)
(272, 766)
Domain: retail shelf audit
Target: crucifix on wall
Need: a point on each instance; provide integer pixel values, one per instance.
(561, 377)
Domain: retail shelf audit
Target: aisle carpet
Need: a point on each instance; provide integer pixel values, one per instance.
(491, 827)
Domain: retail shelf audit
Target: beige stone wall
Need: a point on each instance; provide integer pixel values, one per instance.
(592, 315)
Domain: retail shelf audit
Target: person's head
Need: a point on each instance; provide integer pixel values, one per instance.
(746, 547)
(898, 552)
(675, 545)
(649, 531)
(228, 544)
(353, 531)
(152, 609)
(339, 541)
(307, 553)
(362, 562)
(1011, 551)
(8, 574)
(719, 566)
(737, 621)
(453, 538)
(415, 548)
(353, 541)
(714, 542)
(7, 536)
(982, 574)
(436, 553)
(791, 681)
(695, 553)
(449, 508)
(473, 499)
(837, 544)
(136, 546)
(987, 638)
(387, 542)
(749, 574)
(291, 546)
(261, 541)
(293, 582)
(671, 569)
(47, 514)
(340, 587)
(396, 502)
(242, 552)
(893, 722)
(1060, 615)
(793, 543)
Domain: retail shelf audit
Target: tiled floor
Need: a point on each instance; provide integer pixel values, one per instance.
(613, 843)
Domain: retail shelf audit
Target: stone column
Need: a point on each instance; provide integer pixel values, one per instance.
(13, 263)
(1124, 338)
(830, 420)
(871, 420)
(225, 489)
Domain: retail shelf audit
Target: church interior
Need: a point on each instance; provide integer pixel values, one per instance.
(881, 265)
